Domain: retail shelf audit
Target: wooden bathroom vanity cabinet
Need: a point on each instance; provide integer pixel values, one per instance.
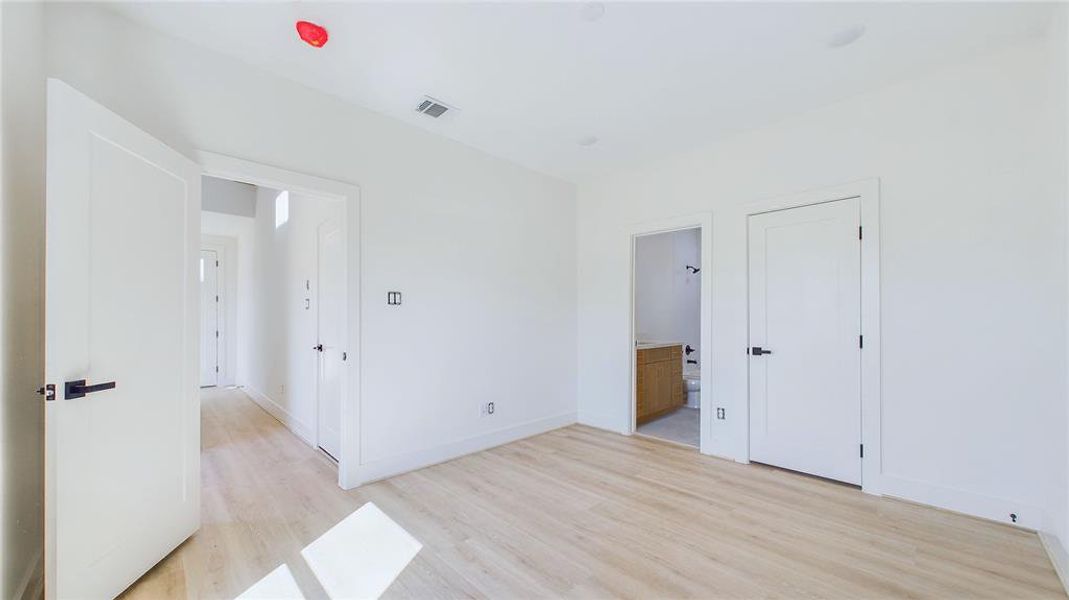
(659, 386)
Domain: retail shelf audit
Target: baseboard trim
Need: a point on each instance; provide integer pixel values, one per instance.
(600, 421)
(395, 465)
(960, 501)
(283, 416)
(31, 587)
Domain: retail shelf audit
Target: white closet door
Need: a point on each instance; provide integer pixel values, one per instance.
(209, 318)
(332, 334)
(805, 320)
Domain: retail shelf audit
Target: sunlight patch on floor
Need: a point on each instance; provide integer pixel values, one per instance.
(276, 585)
(362, 555)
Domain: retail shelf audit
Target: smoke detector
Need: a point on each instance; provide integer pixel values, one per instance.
(433, 108)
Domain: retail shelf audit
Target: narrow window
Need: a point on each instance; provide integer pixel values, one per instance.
(282, 208)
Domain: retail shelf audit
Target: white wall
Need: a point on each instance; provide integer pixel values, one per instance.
(22, 102)
(973, 296)
(483, 250)
(667, 295)
(239, 272)
(284, 329)
(1058, 538)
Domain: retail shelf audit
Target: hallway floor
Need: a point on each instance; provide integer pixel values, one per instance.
(583, 513)
(681, 426)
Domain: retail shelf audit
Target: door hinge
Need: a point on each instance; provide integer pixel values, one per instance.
(860, 235)
(862, 450)
(216, 368)
(216, 333)
(48, 391)
(217, 298)
(217, 263)
(860, 341)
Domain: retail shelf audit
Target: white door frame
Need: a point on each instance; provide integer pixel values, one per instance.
(235, 169)
(868, 193)
(226, 248)
(704, 223)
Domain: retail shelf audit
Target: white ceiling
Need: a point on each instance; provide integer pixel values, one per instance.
(647, 79)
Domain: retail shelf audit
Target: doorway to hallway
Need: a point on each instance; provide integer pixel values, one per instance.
(289, 273)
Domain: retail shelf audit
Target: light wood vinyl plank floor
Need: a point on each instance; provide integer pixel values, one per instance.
(581, 513)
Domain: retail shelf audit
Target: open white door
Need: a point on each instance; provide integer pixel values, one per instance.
(209, 318)
(332, 334)
(805, 322)
(122, 480)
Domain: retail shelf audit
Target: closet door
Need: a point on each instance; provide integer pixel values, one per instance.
(805, 322)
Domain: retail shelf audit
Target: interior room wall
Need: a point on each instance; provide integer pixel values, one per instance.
(667, 295)
(282, 363)
(482, 249)
(1059, 49)
(973, 266)
(22, 163)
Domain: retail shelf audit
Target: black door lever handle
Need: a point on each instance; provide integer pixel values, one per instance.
(78, 388)
(318, 347)
(758, 351)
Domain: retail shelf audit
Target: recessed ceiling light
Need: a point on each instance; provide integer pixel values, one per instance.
(846, 36)
(588, 141)
(592, 11)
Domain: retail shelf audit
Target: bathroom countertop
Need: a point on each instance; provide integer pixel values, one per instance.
(651, 345)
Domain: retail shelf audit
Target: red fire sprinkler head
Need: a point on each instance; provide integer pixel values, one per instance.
(312, 34)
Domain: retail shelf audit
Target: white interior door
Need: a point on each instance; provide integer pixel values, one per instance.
(209, 318)
(332, 334)
(122, 480)
(805, 323)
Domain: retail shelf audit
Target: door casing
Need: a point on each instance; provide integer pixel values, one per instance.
(867, 192)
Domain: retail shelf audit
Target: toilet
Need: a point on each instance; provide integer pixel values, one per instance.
(692, 377)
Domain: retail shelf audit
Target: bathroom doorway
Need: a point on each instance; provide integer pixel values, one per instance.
(667, 335)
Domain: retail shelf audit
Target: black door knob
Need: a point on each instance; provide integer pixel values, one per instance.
(318, 347)
(79, 388)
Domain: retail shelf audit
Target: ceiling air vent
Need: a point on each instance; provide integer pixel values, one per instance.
(433, 108)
